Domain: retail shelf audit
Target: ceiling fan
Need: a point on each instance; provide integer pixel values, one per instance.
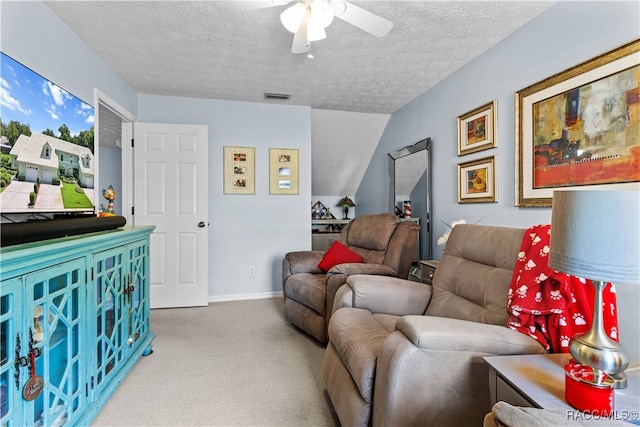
(307, 19)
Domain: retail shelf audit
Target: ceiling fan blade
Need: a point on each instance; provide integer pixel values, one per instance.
(300, 42)
(235, 6)
(363, 19)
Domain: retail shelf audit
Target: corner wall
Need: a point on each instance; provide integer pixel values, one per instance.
(247, 230)
(568, 33)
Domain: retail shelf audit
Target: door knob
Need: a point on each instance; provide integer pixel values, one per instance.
(202, 224)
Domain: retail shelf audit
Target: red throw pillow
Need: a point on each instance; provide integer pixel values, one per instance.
(338, 254)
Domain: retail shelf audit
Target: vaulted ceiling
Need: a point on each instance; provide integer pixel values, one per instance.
(200, 49)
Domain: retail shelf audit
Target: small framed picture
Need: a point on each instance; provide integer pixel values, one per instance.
(476, 129)
(283, 171)
(477, 181)
(239, 170)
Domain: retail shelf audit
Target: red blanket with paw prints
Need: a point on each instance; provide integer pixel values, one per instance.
(551, 306)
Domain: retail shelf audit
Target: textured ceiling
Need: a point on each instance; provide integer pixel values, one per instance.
(196, 49)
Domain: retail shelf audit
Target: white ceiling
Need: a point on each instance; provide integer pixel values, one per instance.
(196, 49)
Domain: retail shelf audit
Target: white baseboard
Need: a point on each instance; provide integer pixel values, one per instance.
(242, 297)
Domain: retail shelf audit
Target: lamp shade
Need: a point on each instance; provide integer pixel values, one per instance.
(315, 31)
(321, 12)
(596, 235)
(293, 16)
(346, 202)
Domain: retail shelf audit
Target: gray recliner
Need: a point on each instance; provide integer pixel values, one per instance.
(387, 246)
(403, 353)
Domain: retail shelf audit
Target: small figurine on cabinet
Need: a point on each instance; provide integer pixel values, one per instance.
(110, 195)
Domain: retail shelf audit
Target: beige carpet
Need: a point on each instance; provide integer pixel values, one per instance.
(228, 364)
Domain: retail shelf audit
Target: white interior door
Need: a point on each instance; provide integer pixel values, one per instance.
(170, 192)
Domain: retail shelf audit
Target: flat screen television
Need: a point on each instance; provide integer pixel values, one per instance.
(47, 147)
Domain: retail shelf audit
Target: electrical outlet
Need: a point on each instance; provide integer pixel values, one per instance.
(252, 270)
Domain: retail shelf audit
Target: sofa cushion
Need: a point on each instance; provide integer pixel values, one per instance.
(338, 254)
(357, 337)
(308, 289)
(472, 281)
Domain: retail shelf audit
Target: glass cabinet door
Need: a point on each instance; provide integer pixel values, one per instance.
(109, 274)
(10, 338)
(53, 344)
(137, 294)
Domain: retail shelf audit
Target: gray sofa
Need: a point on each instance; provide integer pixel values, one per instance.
(384, 242)
(403, 353)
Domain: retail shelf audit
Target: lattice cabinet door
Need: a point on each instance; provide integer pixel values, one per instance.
(11, 312)
(53, 344)
(137, 293)
(109, 271)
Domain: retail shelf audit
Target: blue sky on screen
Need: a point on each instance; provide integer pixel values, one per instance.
(28, 98)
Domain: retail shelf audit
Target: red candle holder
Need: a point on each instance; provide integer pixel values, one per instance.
(588, 390)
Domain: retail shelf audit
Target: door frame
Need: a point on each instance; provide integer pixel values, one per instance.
(126, 192)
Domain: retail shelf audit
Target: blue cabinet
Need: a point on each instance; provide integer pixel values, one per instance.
(74, 318)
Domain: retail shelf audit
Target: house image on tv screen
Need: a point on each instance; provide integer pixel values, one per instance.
(48, 159)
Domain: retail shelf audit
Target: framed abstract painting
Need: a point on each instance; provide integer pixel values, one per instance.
(477, 181)
(580, 128)
(476, 129)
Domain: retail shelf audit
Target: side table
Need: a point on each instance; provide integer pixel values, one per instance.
(537, 380)
(428, 270)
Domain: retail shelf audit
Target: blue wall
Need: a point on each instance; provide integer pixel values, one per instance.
(256, 230)
(565, 35)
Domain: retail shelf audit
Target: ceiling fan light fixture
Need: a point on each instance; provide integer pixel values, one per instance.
(321, 12)
(315, 31)
(339, 7)
(293, 16)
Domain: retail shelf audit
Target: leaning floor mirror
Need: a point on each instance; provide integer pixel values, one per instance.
(410, 181)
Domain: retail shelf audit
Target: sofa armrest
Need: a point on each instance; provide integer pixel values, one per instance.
(444, 334)
(353, 268)
(387, 295)
(302, 262)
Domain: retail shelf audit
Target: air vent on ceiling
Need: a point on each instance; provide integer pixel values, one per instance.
(277, 96)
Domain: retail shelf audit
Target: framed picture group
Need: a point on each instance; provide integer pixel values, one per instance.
(577, 128)
(477, 132)
(283, 171)
(240, 170)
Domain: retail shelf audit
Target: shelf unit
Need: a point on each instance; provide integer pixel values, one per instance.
(75, 312)
(325, 231)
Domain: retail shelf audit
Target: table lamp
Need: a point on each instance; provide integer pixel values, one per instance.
(346, 203)
(595, 235)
